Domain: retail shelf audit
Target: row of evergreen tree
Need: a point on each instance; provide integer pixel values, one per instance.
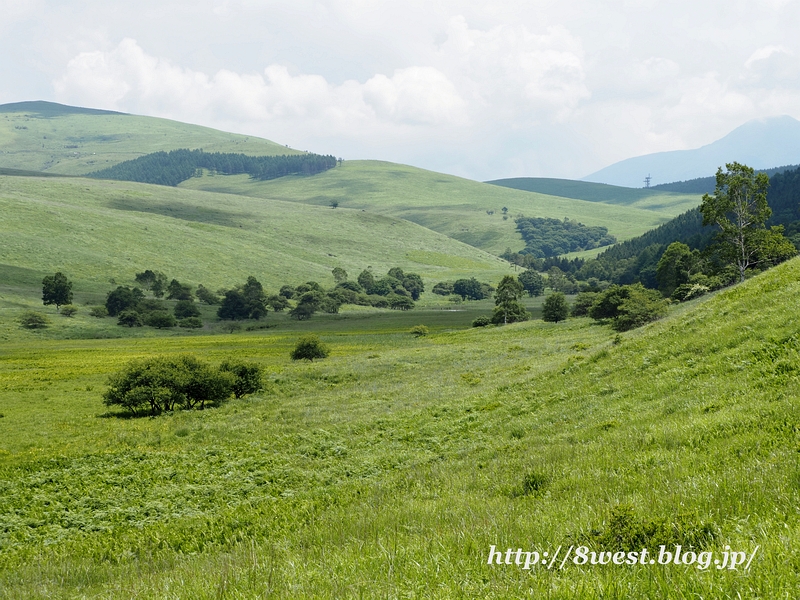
(176, 166)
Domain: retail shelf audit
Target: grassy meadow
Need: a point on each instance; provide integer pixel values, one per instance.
(95, 231)
(390, 468)
(450, 205)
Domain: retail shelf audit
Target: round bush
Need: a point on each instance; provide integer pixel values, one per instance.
(308, 348)
(481, 322)
(33, 320)
(191, 323)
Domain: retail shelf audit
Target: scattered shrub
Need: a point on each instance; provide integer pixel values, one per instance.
(185, 309)
(99, 312)
(481, 322)
(627, 532)
(69, 310)
(191, 323)
(247, 374)
(160, 320)
(130, 318)
(163, 383)
(32, 320)
(308, 348)
(419, 330)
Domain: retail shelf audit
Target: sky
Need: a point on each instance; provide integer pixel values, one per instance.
(484, 90)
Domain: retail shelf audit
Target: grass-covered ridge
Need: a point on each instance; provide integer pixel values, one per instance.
(43, 136)
(390, 468)
(99, 230)
(465, 210)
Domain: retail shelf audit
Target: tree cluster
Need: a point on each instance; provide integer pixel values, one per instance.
(725, 241)
(166, 383)
(176, 166)
(550, 237)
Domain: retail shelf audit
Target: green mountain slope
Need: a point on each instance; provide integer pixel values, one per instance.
(451, 205)
(647, 199)
(96, 230)
(391, 468)
(43, 136)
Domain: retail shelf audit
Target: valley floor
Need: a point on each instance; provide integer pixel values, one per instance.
(391, 468)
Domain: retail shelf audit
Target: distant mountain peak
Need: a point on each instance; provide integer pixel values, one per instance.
(759, 143)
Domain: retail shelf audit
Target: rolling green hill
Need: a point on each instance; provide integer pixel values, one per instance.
(451, 205)
(95, 230)
(43, 136)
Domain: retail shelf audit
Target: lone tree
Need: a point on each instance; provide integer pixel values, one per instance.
(739, 208)
(506, 298)
(56, 289)
(308, 348)
(555, 308)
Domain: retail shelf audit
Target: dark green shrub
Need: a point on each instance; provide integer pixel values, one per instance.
(33, 320)
(191, 323)
(98, 312)
(481, 322)
(583, 302)
(160, 320)
(686, 291)
(397, 302)
(163, 383)
(149, 305)
(629, 306)
(308, 348)
(123, 298)
(185, 309)
(247, 374)
(130, 318)
(443, 288)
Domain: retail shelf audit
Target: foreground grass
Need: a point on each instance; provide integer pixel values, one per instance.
(389, 469)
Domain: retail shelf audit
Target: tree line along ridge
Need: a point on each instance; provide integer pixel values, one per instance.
(176, 166)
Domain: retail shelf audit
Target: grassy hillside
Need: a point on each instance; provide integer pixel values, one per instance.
(647, 199)
(43, 136)
(391, 468)
(450, 205)
(99, 230)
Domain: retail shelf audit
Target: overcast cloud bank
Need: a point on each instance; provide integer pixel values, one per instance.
(484, 91)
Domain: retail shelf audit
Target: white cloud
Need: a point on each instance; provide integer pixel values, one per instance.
(548, 88)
